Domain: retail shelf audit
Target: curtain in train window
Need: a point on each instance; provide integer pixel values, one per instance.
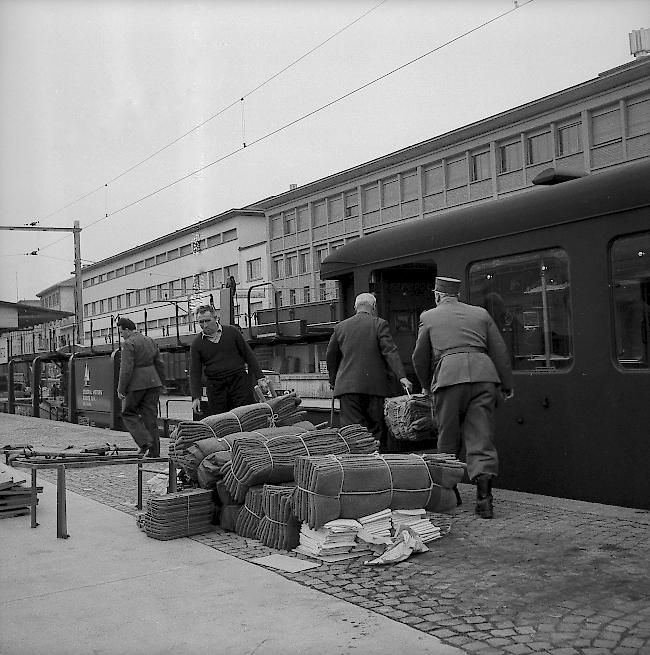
(630, 265)
(529, 298)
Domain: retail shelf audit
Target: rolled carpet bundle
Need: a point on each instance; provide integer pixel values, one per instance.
(248, 519)
(259, 458)
(352, 486)
(278, 527)
(179, 514)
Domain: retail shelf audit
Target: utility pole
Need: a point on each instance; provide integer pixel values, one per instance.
(78, 300)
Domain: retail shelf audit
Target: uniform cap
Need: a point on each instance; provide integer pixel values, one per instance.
(447, 285)
(125, 323)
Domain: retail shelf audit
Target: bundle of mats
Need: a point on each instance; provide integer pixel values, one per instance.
(278, 411)
(179, 514)
(259, 460)
(411, 418)
(248, 519)
(278, 527)
(210, 455)
(351, 486)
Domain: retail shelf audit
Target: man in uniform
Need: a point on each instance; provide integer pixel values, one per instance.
(461, 358)
(140, 382)
(359, 355)
(221, 353)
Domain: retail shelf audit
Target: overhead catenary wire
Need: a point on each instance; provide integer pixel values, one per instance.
(301, 118)
(207, 120)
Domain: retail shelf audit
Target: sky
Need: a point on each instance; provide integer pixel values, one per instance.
(128, 115)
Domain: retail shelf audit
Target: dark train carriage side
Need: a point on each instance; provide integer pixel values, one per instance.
(565, 272)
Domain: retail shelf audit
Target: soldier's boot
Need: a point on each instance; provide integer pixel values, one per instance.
(484, 506)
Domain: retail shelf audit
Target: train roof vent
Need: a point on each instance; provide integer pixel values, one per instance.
(553, 176)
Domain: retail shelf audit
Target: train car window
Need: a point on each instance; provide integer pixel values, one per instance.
(529, 298)
(630, 283)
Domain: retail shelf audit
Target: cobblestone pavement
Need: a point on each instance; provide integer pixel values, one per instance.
(545, 576)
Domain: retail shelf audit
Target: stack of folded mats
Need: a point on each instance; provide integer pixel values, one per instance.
(279, 411)
(352, 486)
(411, 418)
(248, 519)
(334, 542)
(211, 455)
(259, 460)
(417, 521)
(278, 527)
(179, 514)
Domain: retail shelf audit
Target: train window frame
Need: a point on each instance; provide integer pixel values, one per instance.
(641, 247)
(535, 312)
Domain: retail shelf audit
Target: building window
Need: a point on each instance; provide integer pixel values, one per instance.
(538, 148)
(335, 209)
(109, 305)
(303, 261)
(130, 299)
(510, 157)
(606, 126)
(129, 268)
(630, 284)
(231, 271)
(457, 173)
(292, 297)
(186, 249)
(110, 275)
(370, 198)
(306, 294)
(161, 258)
(289, 222)
(86, 309)
(351, 204)
(94, 308)
(529, 299)
(320, 214)
(319, 256)
(214, 240)
(253, 269)
(481, 168)
(149, 261)
(291, 265)
(86, 284)
(119, 272)
(118, 302)
(139, 265)
(568, 139)
(230, 235)
(389, 193)
(433, 180)
(276, 268)
(322, 291)
(102, 306)
(410, 189)
(139, 297)
(215, 278)
(303, 218)
(638, 117)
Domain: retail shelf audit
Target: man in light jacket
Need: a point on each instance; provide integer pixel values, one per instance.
(140, 382)
(360, 353)
(461, 358)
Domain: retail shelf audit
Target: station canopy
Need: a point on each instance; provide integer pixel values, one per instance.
(21, 316)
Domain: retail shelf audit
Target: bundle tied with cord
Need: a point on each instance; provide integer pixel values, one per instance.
(260, 460)
(278, 527)
(411, 417)
(351, 486)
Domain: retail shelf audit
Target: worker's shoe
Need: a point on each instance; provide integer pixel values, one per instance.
(484, 507)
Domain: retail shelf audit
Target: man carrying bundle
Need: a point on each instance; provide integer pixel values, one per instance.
(221, 353)
(359, 355)
(461, 358)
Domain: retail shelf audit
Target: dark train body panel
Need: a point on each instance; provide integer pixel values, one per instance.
(567, 266)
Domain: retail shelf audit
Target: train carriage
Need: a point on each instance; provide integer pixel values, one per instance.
(564, 269)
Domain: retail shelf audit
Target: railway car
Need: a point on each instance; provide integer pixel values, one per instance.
(564, 269)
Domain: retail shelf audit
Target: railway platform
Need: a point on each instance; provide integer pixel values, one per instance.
(547, 575)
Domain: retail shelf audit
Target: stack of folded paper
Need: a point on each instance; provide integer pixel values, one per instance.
(417, 521)
(278, 527)
(334, 542)
(179, 514)
(378, 524)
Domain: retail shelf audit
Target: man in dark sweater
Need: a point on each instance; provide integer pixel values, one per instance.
(220, 353)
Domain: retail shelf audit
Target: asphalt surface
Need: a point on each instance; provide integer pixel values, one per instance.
(546, 575)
